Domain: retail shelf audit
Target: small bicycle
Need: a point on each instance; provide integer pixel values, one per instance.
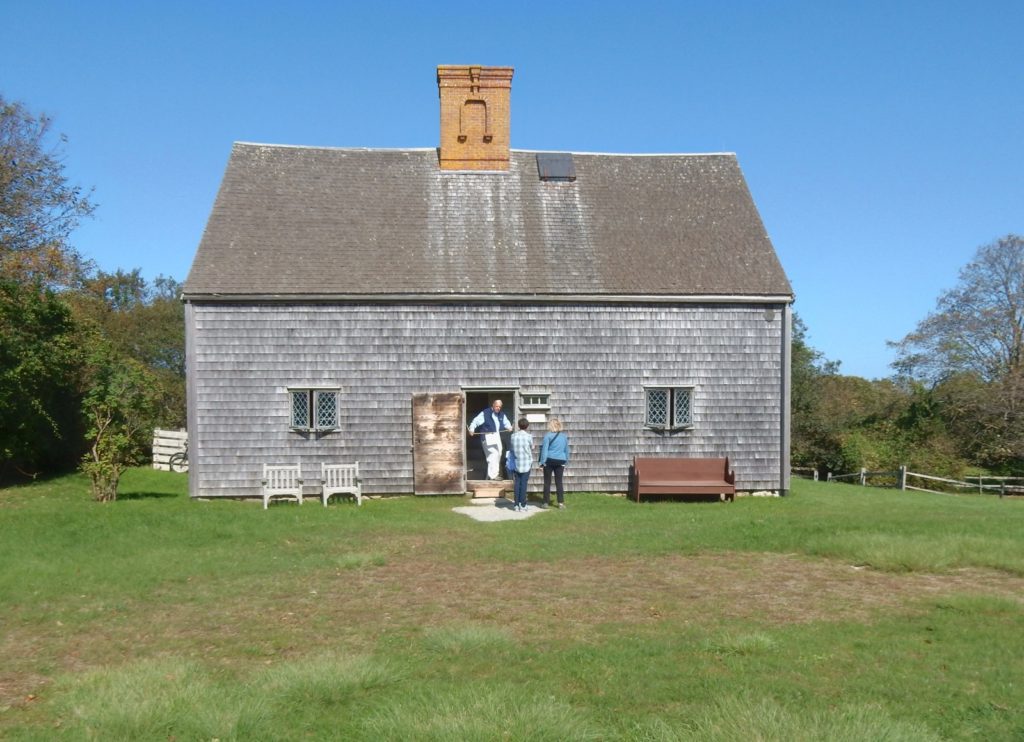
(179, 461)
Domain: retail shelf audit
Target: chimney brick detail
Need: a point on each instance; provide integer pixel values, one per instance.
(474, 116)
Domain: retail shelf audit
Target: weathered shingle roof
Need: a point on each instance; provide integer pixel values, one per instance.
(303, 221)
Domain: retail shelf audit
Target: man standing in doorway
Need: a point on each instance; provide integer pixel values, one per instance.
(490, 423)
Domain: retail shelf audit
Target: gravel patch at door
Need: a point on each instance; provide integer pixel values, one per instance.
(500, 510)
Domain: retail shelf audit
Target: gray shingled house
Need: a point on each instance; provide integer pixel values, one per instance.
(363, 304)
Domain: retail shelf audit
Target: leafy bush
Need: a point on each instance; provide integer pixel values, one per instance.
(119, 408)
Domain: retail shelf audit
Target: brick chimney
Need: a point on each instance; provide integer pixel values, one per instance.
(474, 116)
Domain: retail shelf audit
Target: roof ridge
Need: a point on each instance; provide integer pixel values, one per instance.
(523, 151)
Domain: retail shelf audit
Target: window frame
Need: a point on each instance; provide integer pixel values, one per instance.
(535, 401)
(313, 395)
(672, 391)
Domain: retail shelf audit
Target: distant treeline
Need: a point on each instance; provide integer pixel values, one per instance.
(955, 401)
(90, 362)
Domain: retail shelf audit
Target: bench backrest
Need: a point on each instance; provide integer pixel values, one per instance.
(340, 476)
(281, 478)
(697, 468)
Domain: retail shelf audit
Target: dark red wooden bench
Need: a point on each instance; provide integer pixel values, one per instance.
(681, 476)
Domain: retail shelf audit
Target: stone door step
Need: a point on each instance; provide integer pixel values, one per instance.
(487, 490)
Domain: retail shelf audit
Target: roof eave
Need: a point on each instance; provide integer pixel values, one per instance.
(481, 298)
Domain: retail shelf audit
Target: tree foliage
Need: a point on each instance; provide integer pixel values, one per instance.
(843, 423)
(145, 322)
(39, 208)
(135, 371)
(81, 350)
(971, 351)
(977, 327)
(40, 357)
(957, 399)
(142, 320)
(810, 439)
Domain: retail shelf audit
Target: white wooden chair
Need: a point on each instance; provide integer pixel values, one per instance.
(281, 481)
(341, 479)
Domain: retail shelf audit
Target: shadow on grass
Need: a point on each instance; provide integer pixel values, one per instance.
(148, 484)
(145, 494)
(11, 478)
(681, 499)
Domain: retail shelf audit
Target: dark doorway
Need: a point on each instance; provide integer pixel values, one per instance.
(477, 401)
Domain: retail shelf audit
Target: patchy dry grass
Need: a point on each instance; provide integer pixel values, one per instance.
(469, 605)
(398, 621)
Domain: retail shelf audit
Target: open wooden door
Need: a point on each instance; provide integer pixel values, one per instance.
(438, 457)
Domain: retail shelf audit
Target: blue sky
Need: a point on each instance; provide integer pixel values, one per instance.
(881, 140)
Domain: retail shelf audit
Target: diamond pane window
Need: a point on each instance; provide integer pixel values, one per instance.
(657, 407)
(668, 408)
(300, 409)
(326, 410)
(681, 407)
(314, 409)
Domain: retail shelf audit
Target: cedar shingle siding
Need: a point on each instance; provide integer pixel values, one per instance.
(595, 360)
(374, 272)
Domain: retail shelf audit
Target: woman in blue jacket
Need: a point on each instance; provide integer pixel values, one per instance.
(554, 455)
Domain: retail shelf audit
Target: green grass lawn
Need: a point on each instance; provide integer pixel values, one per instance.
(839, 613)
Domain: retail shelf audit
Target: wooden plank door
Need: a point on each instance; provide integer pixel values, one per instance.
(438, 456)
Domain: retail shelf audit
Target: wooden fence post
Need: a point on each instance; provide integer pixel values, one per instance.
(901, 477)
(863, 476)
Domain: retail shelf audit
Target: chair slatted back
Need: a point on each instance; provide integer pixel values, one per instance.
(281, 478)
(340, 476)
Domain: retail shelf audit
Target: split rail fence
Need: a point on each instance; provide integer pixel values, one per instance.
(904, 479)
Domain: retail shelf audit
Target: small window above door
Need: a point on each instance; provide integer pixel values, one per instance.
(535, 401)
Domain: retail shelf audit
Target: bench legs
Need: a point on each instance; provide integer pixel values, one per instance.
(327, 495)
(289, 496)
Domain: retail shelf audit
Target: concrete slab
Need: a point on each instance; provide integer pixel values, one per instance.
(500, 510)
